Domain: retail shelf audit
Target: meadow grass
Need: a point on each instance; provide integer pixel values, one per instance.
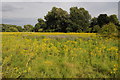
(59, 55)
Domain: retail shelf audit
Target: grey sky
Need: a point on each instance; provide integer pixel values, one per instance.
(59, 0)
(119, 11)
(21, 13)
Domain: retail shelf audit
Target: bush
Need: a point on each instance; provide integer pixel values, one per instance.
(109, 30)
(96, 29)
(12, 29)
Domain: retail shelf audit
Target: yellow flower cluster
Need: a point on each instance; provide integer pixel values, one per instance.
(48, 63)
(30, 53)
(115, 68)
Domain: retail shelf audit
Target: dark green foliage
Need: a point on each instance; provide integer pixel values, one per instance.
(80, 19)
(57, 20)
(0, 27)
(96, 29)
(118, 28)
(28, 28)
(20, 29)
(113, 18)
(93, 22)
(109, 30)
(40, 26)
(11, 28)
(102, 19)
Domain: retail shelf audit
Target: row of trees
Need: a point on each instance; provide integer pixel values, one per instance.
(59, 20)
(15, 28)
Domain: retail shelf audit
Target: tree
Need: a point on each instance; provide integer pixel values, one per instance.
(5, 27)
(80, 18)
(113, 18)
(109, 30)
(0, 27)
(28, 28)
(12, 29)
(20, 29)
(40, 26)
(96, 29)
(102, 19)
(57, 20)
(94, 22)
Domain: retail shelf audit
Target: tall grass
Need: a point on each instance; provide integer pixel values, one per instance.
(59, 55)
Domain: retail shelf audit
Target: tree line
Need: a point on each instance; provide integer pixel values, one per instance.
(59, 20)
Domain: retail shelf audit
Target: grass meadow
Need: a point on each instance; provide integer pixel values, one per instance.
(59, 55)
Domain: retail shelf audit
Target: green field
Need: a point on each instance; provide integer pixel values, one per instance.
(59, 55)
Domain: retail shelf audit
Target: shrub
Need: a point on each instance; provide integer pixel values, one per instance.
(12, 29)
(96, 29)
(109, 30)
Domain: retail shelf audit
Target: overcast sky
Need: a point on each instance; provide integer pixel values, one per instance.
(21, 13)
(60, 0)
